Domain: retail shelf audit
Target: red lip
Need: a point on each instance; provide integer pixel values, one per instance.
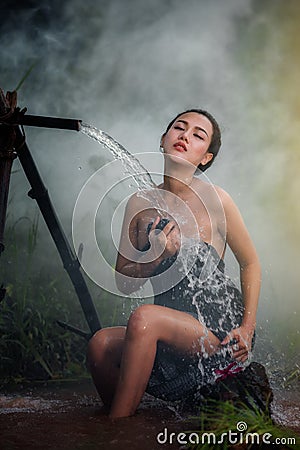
(180, 146)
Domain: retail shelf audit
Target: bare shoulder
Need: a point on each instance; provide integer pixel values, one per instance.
(137, 201)
(214, 195)
(225, 198)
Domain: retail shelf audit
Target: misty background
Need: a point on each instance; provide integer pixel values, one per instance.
(128, 67)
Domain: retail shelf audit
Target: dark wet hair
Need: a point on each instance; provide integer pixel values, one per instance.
(215, 143)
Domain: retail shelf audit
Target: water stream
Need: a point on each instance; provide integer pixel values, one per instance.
(131, 164)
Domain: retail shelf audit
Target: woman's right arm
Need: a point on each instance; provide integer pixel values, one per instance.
(133, 266)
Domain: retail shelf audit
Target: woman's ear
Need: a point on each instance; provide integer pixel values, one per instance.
(206, 158)
(162, 140)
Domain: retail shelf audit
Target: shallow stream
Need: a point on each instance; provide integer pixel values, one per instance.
(69, 416)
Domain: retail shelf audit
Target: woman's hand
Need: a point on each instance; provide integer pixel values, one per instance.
(164, 243)
(242, 338)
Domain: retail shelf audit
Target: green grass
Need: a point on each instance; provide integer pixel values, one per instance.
(219, 417)
(25, 76)
(292, 378)
(32, 345)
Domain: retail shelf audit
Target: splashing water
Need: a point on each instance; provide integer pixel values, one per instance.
(131, 164)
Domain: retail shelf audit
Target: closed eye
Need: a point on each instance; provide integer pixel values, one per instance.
(178, 128)
(199, 137)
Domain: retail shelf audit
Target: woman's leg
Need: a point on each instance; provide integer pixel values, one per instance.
(104, 359)
(147, 325)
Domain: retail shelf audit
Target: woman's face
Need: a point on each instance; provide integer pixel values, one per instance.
(189, 138)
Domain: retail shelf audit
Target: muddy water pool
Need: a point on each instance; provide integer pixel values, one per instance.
(70, 416)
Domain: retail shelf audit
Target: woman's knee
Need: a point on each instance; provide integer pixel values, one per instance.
(95, 346)
(141, 322)
(98, 345)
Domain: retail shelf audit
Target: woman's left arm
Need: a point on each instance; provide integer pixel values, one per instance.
(239, 241)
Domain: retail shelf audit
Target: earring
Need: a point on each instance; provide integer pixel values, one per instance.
(161, 149)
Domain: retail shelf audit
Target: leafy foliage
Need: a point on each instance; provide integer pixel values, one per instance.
(31, 343)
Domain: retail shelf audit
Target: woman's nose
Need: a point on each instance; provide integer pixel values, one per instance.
(184, 135)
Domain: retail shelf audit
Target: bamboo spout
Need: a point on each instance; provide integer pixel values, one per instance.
(42, 121)
(10, 114)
